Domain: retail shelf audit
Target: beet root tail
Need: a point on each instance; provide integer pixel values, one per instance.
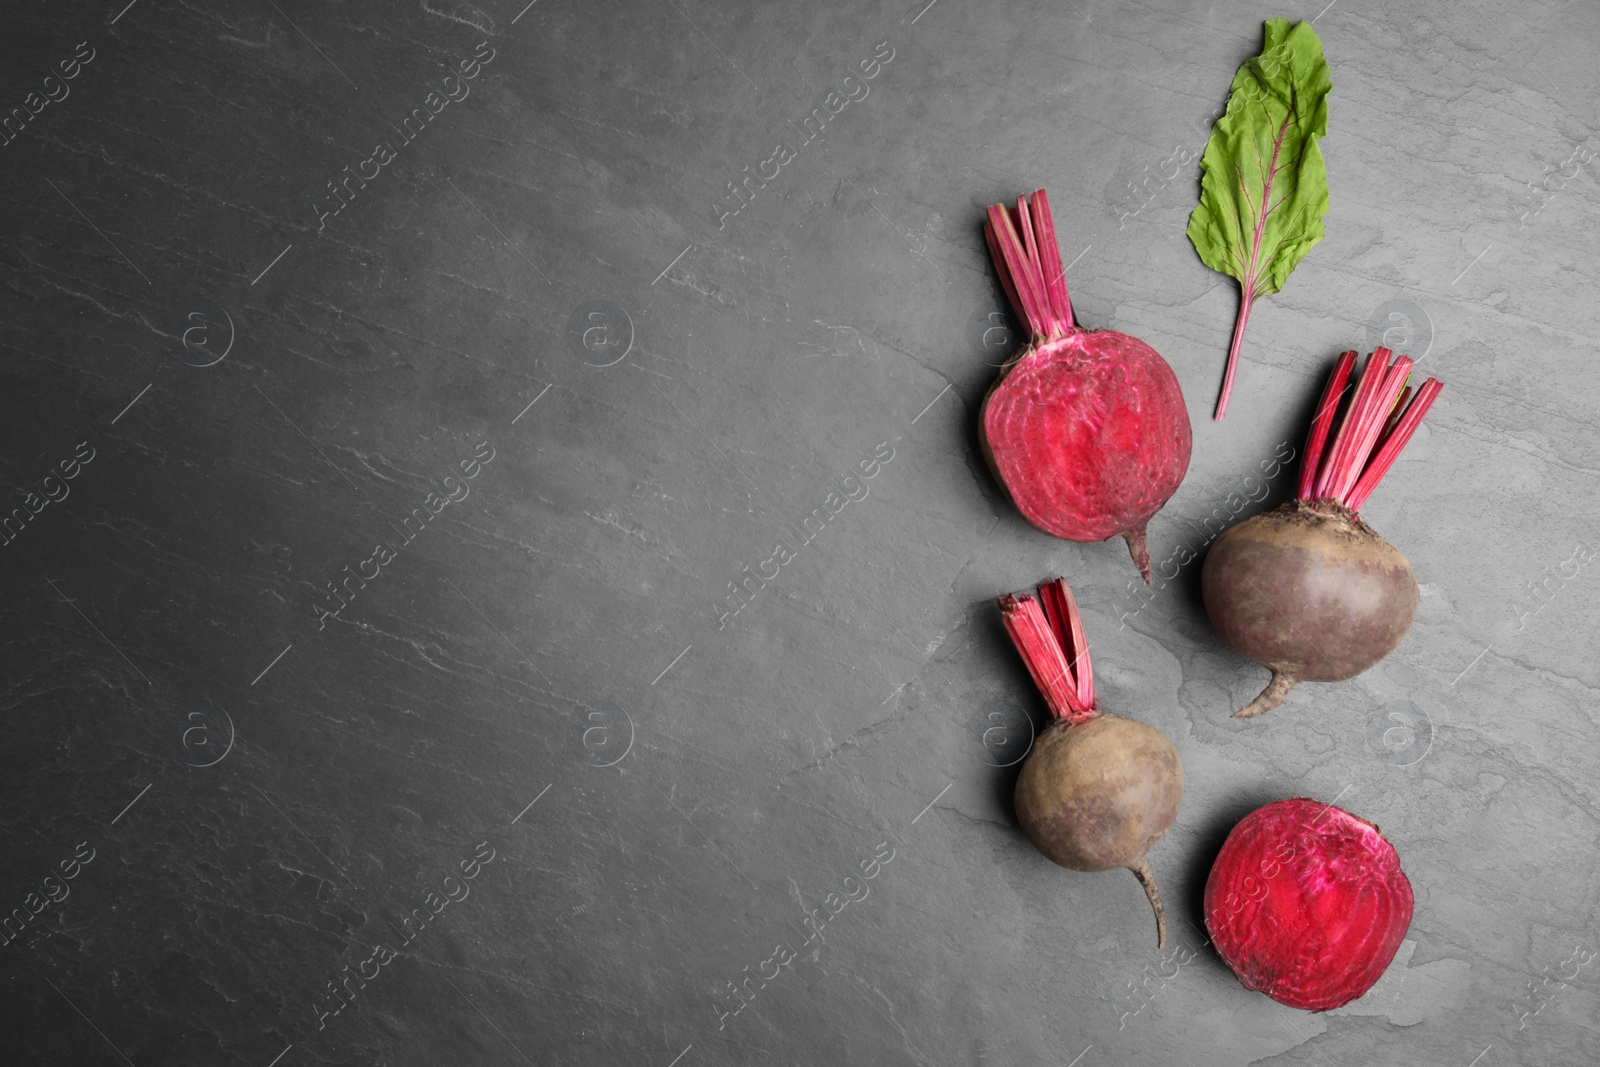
(1270, 697)
(1147, 879)
(1140, 551)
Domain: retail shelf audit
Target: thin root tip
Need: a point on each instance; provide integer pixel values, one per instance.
(1270, 697)
(1147, 880)
(1140, 551)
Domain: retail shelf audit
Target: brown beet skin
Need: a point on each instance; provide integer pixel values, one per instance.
(1310, 592)
(1099, 794)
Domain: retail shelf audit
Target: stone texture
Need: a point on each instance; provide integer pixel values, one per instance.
(673, 804)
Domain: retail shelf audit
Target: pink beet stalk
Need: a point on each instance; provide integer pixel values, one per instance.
(1380, 463)
(1054, 648)
(1245, 300)
(1322, 421)
(1375, 427)
(1025, 240)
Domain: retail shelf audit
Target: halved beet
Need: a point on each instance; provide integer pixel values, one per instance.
(1086, 430)
(1307, 903)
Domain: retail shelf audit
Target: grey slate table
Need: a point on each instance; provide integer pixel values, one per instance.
(394, 393)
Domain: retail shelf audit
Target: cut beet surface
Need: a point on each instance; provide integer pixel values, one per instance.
(1086, 430)
(1307, 903)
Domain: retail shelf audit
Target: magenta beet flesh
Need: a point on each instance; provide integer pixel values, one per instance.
(1086, 430)
(1089, 436)
(1307, 903)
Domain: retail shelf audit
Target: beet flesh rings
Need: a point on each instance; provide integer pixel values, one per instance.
(1307, 903)
(1088, 434)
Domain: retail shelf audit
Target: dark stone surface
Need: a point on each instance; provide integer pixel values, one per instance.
(253, 393)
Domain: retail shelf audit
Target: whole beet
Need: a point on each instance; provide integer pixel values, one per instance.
(1085, 430)
(1099, 794)
(1096, 791)
(1310, 591)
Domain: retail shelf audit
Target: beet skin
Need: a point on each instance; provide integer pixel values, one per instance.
(1310, 592)
(1099, 794)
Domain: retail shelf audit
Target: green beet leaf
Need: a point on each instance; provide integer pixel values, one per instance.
(1265, 189)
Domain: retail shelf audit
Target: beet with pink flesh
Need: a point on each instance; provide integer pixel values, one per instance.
(1310, 591)
(1307, 904)
(1086, 430)
(1097, 791)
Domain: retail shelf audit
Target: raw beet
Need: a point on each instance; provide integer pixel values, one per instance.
(1097, 791)
(1086, 430)
(1307, 903)
(1100, 794)
(1310, 591)
(1352, 596)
